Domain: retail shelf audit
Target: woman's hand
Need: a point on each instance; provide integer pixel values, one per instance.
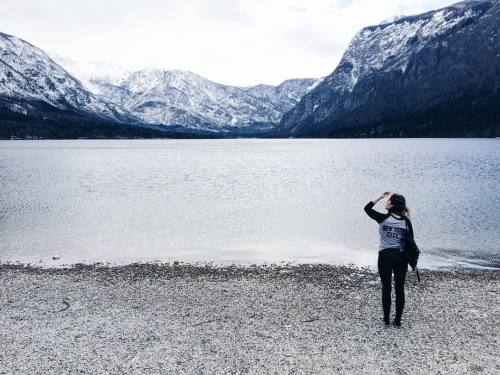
(382, 196)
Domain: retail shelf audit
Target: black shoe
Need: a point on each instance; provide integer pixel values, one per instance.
(386, 322)
(396, 323)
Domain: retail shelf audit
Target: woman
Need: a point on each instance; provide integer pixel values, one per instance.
(393, 227)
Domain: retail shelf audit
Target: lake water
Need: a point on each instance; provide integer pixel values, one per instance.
(245, 200)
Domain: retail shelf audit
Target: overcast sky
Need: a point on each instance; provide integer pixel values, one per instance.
(238, 42)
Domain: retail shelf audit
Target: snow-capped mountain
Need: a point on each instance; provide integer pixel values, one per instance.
(177, 97)
(433, 74)
(416, 75)
(28, 76)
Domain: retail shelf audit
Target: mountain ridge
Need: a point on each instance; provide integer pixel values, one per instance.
(393, 73)
(159, 96)
(431, 74)
(35, 85)
(28, 74)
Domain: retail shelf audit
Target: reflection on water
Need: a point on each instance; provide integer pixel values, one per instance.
(244, 200)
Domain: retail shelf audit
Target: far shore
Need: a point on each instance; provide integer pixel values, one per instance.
(188, 318)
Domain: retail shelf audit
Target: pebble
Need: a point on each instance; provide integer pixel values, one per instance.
(151, 318)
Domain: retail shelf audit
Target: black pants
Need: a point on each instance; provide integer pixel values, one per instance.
(389, 261)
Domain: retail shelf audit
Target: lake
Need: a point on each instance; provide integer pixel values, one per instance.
(245, 201)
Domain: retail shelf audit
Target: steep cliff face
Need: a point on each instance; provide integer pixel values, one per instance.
(434, 74)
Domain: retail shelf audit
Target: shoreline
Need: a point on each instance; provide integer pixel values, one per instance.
(55, 264)
(187, 318)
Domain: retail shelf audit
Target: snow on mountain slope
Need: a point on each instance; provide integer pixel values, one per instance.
(284, 96)
(148, 96)
(28, 74)
(397, 67)
(86, 72)
(390, 46)
(177, 97)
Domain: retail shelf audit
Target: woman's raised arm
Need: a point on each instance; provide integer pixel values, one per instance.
(375, 215)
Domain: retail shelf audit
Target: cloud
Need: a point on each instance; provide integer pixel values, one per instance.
(236, 42)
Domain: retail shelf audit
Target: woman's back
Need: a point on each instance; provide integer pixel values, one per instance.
(392, 232)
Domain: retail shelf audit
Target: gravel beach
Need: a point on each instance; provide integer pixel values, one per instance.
(288, 319)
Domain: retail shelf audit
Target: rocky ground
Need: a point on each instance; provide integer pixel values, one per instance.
(176, 319)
